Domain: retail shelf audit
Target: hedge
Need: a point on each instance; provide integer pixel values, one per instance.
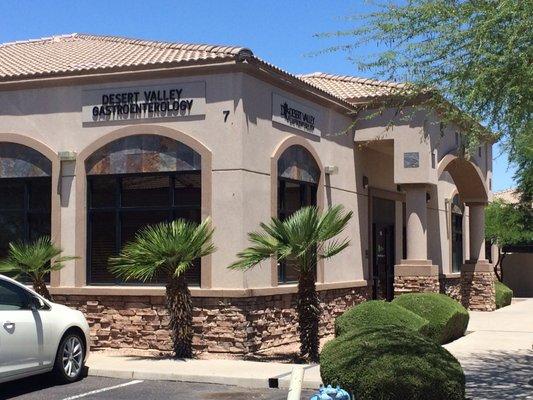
(504, 295)
(379, 313)
(391, 363)
(447, 318)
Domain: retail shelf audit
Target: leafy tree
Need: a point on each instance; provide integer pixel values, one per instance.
(34, 261)
(507, 225)
(474, 54)
(303, 238)
(168, 248)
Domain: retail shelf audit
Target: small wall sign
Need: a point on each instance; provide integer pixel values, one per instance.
(411, 160)
(294, 114)
(172, 100)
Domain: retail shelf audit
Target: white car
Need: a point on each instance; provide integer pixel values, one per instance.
(38, 336)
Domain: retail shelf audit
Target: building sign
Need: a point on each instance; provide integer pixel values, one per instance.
(173, 100)
(294, 114)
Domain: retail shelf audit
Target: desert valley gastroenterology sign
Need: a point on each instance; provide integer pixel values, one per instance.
(173, 100)
(294, 114)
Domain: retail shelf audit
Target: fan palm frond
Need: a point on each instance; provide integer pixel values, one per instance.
(303, 238)
(171, 247)
(34, 259)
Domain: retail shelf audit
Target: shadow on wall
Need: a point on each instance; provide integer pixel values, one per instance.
(499, 375)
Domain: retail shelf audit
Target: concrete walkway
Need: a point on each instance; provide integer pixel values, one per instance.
(497, 354)
(249, 374)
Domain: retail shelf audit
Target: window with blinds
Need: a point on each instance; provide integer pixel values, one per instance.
(122, 204)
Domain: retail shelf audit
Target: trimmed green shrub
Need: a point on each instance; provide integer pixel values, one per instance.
(379, 313)
(391, 363)
(504, 294)
(447, 318)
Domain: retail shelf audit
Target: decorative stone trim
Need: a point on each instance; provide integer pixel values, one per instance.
(239, 326)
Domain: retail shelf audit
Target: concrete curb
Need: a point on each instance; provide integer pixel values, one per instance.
(235, 373)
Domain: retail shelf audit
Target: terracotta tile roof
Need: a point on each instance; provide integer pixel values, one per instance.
(78, 53)
(351, 88)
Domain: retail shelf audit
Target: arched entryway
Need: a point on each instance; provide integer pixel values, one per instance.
(477, 276)
(136, 181)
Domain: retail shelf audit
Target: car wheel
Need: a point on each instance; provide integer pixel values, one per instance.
(70, 356)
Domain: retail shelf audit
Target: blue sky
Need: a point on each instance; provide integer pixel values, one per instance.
(281, 32)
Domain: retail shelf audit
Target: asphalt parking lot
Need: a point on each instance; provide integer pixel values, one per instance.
(95, 388)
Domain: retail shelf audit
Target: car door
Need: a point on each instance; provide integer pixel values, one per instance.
(21, 333)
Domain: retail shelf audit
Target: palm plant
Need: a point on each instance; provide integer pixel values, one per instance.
(302, 238)
(34, 261)
(168, 248)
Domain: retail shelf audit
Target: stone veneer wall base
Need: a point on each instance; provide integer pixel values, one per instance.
(238, 326)
(451, 287)
(478, 292)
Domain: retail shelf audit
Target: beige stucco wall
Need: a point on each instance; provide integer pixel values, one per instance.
(242, 154)
(518, 273)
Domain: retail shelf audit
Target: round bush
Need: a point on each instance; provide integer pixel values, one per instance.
(504, 295)
(447, 318)
(379, 313)
(391, 363)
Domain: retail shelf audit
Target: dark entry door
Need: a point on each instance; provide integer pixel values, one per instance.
(383, 243)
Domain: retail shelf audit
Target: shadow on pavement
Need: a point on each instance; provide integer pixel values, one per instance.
(31, 384)
(499, 375)
(23, 386)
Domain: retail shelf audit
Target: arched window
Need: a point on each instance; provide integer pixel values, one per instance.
(457, 210)
(134, 182)
(298, 178)
(25, 195)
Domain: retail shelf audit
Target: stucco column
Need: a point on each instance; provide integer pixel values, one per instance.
(416, 273)
(416, 227)
(477, 276)
(477, 231)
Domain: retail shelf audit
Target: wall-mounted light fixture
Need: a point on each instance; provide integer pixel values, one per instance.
(67, 155)
(365, 182)
(331, 169)
(428, 197)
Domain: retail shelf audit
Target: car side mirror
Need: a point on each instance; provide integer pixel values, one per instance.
(35, 303)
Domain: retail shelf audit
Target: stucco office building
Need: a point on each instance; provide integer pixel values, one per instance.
(102, 135)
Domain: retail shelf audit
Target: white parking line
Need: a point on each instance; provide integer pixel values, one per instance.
(79, 396)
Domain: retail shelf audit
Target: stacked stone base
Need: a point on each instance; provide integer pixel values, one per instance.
(478, 292)
(238, 326)
(416, 276)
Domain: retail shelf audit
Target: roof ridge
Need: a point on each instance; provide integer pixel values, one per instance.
(42, 39)
(355, 79)
(141, 42)
(166, 44)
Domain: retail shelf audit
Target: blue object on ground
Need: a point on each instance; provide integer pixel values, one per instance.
(331, 393)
